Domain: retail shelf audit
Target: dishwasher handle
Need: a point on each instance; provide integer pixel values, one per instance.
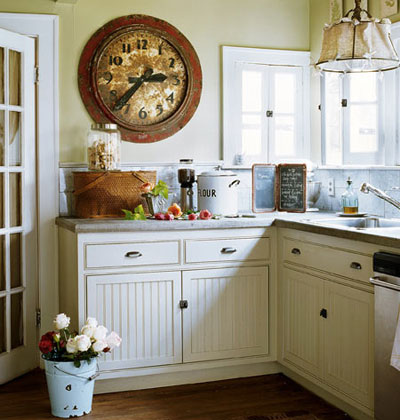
(382, 282)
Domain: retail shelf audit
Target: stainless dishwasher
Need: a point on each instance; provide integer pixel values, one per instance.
(386, 282)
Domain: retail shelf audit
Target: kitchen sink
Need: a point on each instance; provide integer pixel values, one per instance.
(361, 222)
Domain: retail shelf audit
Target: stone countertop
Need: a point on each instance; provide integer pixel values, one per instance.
(301, 221)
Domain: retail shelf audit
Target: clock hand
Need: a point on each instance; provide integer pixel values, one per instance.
(129, 93)
(158, 77)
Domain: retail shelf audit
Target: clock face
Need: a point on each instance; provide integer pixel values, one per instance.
(141, 78)
(141, 73)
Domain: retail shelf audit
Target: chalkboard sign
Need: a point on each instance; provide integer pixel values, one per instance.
(281, 188)
(264, 188)
(292, 187)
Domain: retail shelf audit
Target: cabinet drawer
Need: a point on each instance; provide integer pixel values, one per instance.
(331, 260)
(236, 249)
(132, 254)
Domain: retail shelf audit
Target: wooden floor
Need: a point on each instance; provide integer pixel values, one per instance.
(271, 397)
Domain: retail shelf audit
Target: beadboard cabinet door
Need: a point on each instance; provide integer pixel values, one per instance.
(302, 299)
(144, 309)
(349, 341)
(227, 313)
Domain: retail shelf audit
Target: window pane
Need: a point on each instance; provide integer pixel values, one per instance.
(251, 91)
(2, 133)
(3, 345)
(2, 273)
(15, 139)
(251, 119)
(15, 77)
(363, 87)
(17, 331)
(284, 136)
(363, 129)
(333, 119)
(15, 199)
(1, 75)
(285, 92)
(15, 260)
(251, 141)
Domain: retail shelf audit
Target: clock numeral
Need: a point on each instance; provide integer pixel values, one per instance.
(160, 49)
(142, 44)
(142, 113)
(171, 62)
(126, 48)
(159, 109)
(176, 81)
(171, 98)
(115, 60)
(107, 77)
(127, 107)
(113, 95)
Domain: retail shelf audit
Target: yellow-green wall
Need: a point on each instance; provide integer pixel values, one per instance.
(208, 24)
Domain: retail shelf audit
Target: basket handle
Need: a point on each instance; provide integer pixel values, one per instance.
(140, 178)
(91, 184)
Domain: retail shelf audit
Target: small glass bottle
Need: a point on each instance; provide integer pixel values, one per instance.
(349, 199)
(104, 147)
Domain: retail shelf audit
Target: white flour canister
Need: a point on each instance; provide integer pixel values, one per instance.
(217, 192)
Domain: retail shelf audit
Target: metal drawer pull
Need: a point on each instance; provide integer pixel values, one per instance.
(183, 304)
(296, 251)
(133, 254)
(228, 250)
(356, 266)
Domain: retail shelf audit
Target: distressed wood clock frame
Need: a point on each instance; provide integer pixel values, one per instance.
(88, 81)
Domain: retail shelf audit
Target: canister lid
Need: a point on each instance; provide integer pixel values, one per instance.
(218, 172)
(104, 126)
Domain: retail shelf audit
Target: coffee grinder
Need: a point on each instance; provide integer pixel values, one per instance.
(186, 177)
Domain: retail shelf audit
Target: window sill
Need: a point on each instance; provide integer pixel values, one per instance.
(359, 167)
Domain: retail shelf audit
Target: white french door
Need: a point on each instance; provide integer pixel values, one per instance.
(18, 254)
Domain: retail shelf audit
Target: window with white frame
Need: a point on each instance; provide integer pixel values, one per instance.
(360, 116)
(266, 105)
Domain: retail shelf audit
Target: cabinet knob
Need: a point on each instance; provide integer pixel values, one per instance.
(133, 254)
(228, 250)
(323, 313)
(183, 304)
(296, 251)
(356, 266)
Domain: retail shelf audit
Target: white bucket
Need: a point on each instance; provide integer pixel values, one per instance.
(70, 388)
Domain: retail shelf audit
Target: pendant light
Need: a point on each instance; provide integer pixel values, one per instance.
(358, 44)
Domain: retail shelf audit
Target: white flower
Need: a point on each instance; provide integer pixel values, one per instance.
(83, 342)
(113, 340)
(88, 330)
(92, 322)
(99, 345)
(71, 346)
(61, 321)
(100, 333)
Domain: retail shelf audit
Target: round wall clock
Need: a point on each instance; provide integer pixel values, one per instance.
(141, 73)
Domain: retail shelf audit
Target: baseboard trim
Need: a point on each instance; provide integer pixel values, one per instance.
(185, 377)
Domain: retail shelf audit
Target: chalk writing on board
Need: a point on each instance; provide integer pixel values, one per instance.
(291, 189)
(264, 188)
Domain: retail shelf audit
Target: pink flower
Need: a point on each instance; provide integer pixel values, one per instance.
(113, 340)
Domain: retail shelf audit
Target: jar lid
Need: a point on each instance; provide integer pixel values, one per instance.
(218, 172)
(186, 161)
(104, 126)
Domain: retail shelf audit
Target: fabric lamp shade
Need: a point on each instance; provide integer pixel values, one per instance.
(351, 46)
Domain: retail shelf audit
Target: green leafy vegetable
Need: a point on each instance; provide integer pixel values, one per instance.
(160, 189)
(138, 213)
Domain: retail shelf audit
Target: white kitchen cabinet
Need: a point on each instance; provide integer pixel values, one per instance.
(302, 296)
(227, 313)
(144, 309)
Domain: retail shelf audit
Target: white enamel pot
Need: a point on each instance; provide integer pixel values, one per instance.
(217, 192)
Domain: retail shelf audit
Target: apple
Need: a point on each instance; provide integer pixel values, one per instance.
(205, 215)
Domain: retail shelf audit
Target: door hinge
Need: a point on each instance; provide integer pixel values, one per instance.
(38, 317)
(36, 74)
(183, 304)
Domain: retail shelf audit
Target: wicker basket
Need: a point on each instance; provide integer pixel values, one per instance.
(105, 194)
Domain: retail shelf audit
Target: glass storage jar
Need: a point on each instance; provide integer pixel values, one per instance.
(104, 147)
(349, 199)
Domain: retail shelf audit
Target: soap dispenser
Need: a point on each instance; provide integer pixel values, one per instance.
(350, 199)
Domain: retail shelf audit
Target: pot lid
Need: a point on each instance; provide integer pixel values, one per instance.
(217, 172)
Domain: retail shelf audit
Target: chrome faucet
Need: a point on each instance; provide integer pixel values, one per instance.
(366, 188)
